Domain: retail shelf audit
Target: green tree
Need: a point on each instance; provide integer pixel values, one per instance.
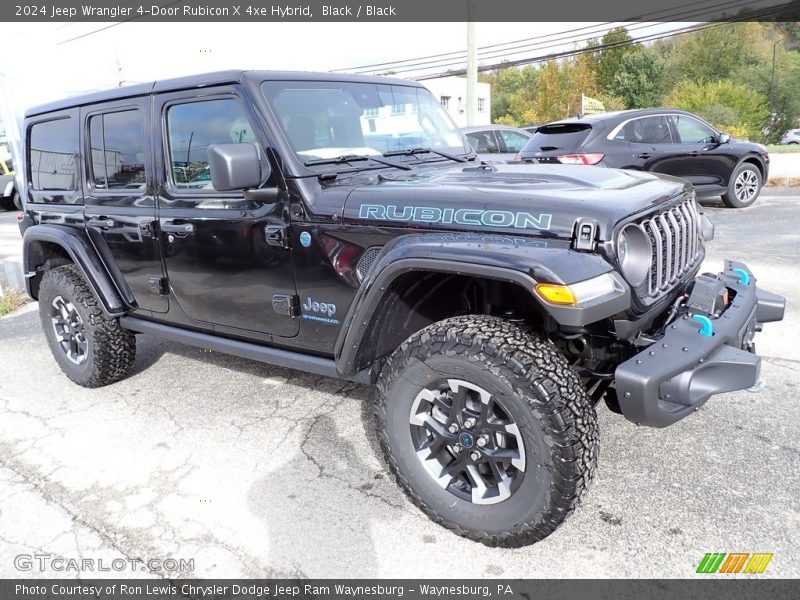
(718, 52)
(781, 88)
(607, 60)
(513, 93)
(638, 81)
(731, 107)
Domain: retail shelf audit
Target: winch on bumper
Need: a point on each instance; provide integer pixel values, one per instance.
(705, 352)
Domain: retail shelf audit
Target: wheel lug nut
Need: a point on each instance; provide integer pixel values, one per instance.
(457, 447)
(453, 428)
(482, 441)
(475, 455)
(469, 423)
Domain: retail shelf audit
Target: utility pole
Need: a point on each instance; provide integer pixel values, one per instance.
(472, 67)
(772, 88)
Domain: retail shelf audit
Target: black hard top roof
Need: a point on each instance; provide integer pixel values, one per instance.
(206, 80)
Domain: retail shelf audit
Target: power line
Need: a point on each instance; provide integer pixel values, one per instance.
(601, 27)
(486, 53)
(570, 53)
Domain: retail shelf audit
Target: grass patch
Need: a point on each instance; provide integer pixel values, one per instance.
(11, 300)
(783, 182)
(783, 148)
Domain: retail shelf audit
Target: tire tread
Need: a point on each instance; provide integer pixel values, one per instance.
(525, 360)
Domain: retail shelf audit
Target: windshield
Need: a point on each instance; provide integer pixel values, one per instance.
(327, 120)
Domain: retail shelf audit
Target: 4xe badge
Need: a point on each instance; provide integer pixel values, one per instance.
(324, 311)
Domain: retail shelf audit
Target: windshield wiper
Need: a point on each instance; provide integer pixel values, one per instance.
(413, 151)
(346, 158)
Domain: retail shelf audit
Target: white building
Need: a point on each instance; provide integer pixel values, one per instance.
(452, 93)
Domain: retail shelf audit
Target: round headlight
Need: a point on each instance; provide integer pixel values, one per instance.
(633, 253)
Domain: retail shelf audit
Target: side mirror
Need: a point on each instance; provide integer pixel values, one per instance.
(234, 166)
(724, 138)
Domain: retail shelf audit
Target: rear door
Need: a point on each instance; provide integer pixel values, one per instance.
(226, 257)
(650, 143)
(512, 142)
(119, 203)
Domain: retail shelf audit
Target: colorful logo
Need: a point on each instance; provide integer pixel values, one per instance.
(734, 562)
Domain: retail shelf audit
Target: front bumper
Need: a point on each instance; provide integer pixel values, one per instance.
(675, 375)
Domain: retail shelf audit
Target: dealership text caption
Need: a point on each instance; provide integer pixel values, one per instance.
(54, 12)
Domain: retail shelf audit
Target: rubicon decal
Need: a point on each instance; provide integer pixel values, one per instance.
(458, 216)
(734, 562)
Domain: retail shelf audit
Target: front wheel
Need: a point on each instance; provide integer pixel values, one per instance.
(487, 429)
(744, 186)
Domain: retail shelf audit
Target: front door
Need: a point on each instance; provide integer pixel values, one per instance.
(119, 204)
(226, 257)
(704, 162)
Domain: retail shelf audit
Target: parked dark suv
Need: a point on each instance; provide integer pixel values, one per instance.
(343, 226)
(666, 141)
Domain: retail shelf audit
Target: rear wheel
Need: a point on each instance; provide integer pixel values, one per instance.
(487, 429)
(744, 186)
(7, 203)
(91, 348)
(17, 201)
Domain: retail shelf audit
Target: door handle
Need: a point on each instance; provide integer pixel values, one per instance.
(172, 227)
(100, 222)
(643, 155)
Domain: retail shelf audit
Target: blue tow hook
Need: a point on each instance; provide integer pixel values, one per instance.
(707, 328)
(744, 276)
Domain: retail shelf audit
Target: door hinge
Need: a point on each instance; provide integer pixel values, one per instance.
(585, 234)
(277, 235)
(158, 285)
(287, 305)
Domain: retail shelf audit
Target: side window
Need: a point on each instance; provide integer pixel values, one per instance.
(647, 130)
(513, 140)
(117, 147)
(483, 142)
(52, 155)
(192, 128)
(692, 131)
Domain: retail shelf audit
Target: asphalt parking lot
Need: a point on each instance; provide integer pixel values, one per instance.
(259, 471)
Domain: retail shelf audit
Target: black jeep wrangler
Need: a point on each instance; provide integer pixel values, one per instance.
(343, 226)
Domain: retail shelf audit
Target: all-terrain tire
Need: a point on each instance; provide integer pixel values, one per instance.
(537, 388)
(111, 350)
(744, 186)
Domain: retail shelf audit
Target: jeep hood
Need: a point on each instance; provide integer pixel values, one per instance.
(543, 200)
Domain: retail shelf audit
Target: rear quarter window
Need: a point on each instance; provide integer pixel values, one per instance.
(52, 155)
(566, 136)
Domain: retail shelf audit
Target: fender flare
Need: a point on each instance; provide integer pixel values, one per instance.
(522, 261)
(83, 256)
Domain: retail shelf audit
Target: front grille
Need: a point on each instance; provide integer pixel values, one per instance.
(366, 261)
(674, 244)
